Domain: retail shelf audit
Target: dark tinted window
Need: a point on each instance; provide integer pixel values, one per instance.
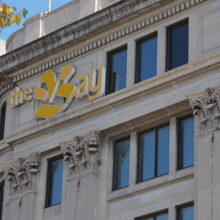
(55, 181)
(153, 153)
(186, 143)
(163, 216)
(1, 199)
(185, 213)
(146, 58)
(2, 121)
(121, 164)
(177, 45)
(117, 70)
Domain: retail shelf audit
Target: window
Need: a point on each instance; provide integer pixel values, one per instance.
(54, 182)
(177, 45)
(146, 58)
(1, 199)
(161, 216)
(2, 121)
(185, 142)
(117, 70)
(153, 153)
(121, 164)
(185, 212)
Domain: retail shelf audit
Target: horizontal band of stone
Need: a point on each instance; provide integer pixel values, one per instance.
(81, 28)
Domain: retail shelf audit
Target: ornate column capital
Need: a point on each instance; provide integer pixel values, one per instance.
(206, 107)
(82, 153)
(20, 173)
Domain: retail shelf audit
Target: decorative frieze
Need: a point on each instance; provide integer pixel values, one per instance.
(207, 109)
(82, 153)
(79, 29)
(20, 174)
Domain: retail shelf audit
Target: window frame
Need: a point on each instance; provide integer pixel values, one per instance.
(154, 215)
(115, 168)
(179, 143)
(139, 178)
(108, 89)
(2, 184)
(179, 207)
(2, 124)
(48, 183)
(137, 53)
(168, 45)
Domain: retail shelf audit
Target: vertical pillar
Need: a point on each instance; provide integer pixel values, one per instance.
(206, 108)
(81, 186)
(20, 184)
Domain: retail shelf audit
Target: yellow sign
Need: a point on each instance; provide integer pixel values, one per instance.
(50, 86)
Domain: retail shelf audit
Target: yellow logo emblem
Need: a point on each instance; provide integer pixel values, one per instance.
(52, 86)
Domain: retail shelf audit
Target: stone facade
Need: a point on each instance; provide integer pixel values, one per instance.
(85, 133)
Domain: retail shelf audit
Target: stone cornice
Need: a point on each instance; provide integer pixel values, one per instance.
(76, 31)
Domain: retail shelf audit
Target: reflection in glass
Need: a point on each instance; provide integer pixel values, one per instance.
(177, 45)
(121, 164)
(163, 216)
(146, 58)
(55, 181)
(186, 143)
(186, 213)
(117, 70)
(153, 153)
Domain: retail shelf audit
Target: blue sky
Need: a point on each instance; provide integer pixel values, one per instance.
(33, 7)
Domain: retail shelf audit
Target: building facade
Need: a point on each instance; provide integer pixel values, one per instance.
(110, 110)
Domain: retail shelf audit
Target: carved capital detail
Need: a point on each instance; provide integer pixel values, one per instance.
(82, 153)
(21, 172)
(207, 109)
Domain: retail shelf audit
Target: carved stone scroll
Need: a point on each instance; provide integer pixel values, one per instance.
(82, 153)
(207, 109)
(20, 173)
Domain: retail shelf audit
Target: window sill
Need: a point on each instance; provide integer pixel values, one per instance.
(151, 184)
(51, 211)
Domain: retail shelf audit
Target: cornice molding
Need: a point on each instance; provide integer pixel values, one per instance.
(82, 28)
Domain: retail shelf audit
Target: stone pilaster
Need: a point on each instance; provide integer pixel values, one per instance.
(82, 157)
(21, 180)
(206, 109)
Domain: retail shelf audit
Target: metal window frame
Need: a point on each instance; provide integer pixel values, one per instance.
(49, 180)
(169, 40)
(138, 55)
(179, 207)
(139, 178)
(115, 165)
(179, 143)
(154, 215)
(1, 198)
(2, 120)
(109, 83)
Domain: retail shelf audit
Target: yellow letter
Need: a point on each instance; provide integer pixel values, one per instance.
(97, 83)
(82, 89)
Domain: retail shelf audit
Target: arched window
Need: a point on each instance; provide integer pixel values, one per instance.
(2, 121)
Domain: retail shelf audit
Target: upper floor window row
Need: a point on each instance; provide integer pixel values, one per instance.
(177, 54)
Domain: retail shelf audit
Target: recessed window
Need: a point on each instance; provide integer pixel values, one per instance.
(1, 199)
(146, 58)
(185, 142)
(161, 216)
(153, 153)
(177, 45)
(117, 70)
(54, 182)
(185, 212)
(121, 164)
(2, 121)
